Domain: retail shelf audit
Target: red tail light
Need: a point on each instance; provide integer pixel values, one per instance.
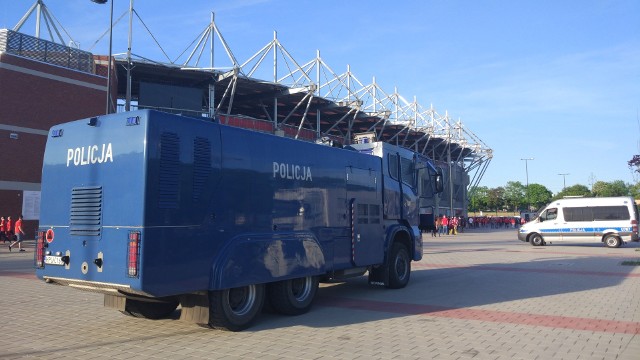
(634, 226)
(40, 245)
(133, 260)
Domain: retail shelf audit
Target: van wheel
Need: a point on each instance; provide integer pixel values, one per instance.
(235, 309)
(612, 241)
(536, 240)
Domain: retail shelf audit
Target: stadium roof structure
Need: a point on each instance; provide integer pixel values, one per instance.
(304, 100)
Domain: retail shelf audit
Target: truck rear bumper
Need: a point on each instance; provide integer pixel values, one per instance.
(97, 287)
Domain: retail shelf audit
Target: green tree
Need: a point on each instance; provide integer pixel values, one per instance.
(614, 188)
(634, 190)
(478, 198)
(495, 198)
(514, 195)
(574, 190)
(539, 195)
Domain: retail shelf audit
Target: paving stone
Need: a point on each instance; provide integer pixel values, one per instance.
(478, 295)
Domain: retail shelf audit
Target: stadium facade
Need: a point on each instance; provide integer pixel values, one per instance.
(271, 91)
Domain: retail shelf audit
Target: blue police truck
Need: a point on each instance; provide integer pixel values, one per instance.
(156, 210)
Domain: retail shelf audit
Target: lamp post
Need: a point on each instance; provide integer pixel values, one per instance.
(108, 111)
(564, 180)
(526, 167)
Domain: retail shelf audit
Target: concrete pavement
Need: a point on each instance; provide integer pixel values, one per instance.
(478, 295)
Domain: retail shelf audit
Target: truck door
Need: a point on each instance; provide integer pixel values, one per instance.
(365, 210)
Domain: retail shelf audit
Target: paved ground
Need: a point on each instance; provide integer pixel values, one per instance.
(480, 295)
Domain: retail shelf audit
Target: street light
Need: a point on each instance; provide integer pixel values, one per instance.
(526, 167)
(108, 111)
(564, 180)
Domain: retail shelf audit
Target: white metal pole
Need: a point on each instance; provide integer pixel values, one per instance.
(109, 103)
(127, 106)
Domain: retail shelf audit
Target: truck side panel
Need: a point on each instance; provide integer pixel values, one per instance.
(211, 206)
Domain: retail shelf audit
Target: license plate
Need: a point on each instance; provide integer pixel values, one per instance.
(53, 260)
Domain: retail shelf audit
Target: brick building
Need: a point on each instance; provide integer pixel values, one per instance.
(41, 84)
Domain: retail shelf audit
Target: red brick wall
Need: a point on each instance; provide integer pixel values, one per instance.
(38, 102)
(38, 96)
(23, 157)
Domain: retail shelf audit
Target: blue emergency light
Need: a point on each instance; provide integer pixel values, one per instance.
(133, 120)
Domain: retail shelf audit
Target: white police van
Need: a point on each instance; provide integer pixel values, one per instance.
(611, 220)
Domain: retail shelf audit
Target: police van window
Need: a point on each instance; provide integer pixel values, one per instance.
(580, 213)
(611, 213)
(549, 214)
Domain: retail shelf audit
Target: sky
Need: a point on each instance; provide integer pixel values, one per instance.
(553, 80)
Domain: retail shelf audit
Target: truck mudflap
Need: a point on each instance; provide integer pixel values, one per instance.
(261, 258)
(417, 243)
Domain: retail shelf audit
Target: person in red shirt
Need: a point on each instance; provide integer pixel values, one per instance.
(8, 230)
(453, 226)
(445, 224)
(19, 234)
(3, 230)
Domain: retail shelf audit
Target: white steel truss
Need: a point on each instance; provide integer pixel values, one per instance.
(413, 126)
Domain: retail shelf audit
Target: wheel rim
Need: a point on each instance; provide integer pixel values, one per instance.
(401, 267)
(612, 241)
(241, 299)
(301, 288)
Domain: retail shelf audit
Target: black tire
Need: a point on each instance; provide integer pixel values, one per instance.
(293, 297)
(536, 239)
(150, 309)
(612, 241)
(235, 309)
(399, 266)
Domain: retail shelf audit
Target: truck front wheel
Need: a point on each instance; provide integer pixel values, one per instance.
(293, 297)
(235, 309)
(399, 266)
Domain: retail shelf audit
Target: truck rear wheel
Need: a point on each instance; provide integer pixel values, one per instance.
(399, 266)
(235, 309)
(150, 309)
(293, 297)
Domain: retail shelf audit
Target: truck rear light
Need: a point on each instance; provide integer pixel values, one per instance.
(634, 226)
(40, 245)
(133, 258)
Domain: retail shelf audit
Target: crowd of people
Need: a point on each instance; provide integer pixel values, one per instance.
(496, 222)
(12, 232)
(453, 224)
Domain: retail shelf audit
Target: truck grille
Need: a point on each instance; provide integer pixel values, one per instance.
(168, 188)
(86, 211)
